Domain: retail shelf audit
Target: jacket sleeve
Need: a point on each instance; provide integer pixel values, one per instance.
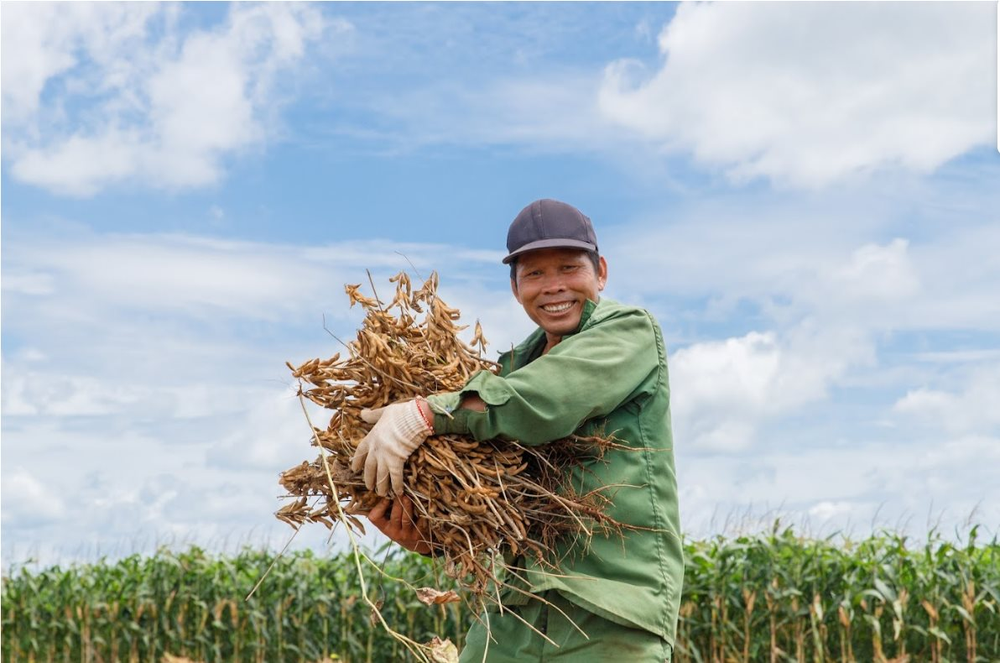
(586, 375)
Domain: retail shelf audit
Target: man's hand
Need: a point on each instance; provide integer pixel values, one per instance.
(399, 524)
(399, 429)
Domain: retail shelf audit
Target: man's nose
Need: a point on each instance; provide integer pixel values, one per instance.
(553, 284)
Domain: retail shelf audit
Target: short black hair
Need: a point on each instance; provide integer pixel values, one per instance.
(595, 260)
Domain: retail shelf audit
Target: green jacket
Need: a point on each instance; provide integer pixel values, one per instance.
(609, 376)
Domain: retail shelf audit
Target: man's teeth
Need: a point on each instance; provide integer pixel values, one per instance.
(556, 308)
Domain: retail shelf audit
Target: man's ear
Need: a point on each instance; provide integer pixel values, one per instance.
(513, 289)
(602, 273)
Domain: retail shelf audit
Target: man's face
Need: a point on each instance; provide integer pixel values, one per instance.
(552, 286)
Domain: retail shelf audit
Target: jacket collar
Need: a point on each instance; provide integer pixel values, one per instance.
(529, 347)
(588, 310)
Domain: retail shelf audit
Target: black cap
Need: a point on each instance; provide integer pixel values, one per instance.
(549, 224)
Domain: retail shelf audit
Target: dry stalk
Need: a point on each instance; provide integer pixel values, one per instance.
(475, 499)
(415, 648)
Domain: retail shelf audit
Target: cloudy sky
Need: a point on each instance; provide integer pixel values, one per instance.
(806, 196)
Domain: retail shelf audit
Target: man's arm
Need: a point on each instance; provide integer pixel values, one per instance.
(587, 375)
(469, 401)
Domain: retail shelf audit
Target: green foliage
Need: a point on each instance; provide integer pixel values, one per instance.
(769, 597)
(777, 597)
(192, 604)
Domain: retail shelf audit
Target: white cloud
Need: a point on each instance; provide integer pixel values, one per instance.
(723, 390)
(542, 112)
(99, 94)
(959, 356)
(41, 41)
(84, 276)
(882, 273)
(80, 165)
(852, 488)
(825, 510)
(28, 283)
(27, 393)
(27, 500)
(802, 301)
(754, 249)
(181, 327)
(922, 264)
(161, 273)
(773, 306)
(974, 408)
(807, 95)
(813, 93)
(273, 434)
(51, 392)
(116, 490)
(821, 302)
(736, 372)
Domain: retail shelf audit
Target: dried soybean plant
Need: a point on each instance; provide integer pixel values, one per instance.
(475, 499)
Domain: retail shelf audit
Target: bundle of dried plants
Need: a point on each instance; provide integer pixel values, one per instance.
(475, 499)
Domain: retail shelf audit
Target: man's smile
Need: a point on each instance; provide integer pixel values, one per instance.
(557, 308)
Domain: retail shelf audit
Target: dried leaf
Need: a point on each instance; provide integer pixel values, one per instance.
(373, 617)
(431, 596)
(442, 651)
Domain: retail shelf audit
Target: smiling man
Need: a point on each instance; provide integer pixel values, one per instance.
(593, 366)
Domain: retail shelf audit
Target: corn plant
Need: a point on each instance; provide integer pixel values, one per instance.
(777, 597)
(771, 597)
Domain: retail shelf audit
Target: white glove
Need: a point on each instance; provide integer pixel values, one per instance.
(399, 429)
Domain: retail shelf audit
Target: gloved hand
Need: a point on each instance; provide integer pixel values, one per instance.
(399, 429)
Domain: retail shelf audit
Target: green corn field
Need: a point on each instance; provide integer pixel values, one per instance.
(768, 597)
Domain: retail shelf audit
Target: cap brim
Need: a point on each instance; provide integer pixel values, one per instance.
(550, 244)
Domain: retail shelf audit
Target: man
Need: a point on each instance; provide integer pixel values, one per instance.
(593, 366)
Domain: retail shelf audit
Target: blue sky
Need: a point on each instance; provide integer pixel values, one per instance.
(804, 195)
